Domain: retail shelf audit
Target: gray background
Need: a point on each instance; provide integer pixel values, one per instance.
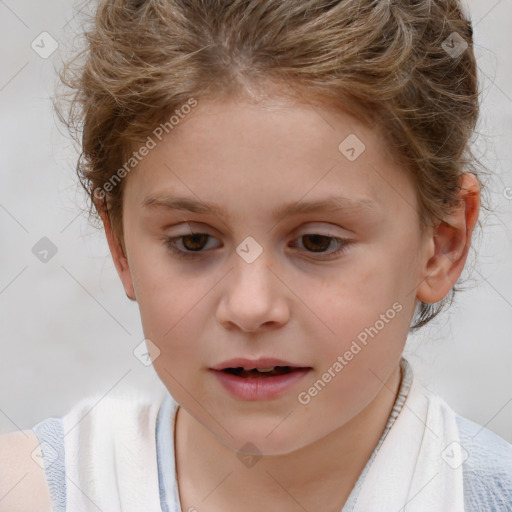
(67, 329)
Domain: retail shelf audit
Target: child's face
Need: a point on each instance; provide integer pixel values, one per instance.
(298, 301)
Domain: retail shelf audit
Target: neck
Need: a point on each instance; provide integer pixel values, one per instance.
(210, 476)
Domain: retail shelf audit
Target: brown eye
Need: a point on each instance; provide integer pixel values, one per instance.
(196, 241)
(194, 245)
(317, 243)
(188, 246)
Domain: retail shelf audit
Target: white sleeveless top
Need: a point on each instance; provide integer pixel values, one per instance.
(116, 454)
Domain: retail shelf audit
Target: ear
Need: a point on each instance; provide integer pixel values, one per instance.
(118, 255)
(450, 243)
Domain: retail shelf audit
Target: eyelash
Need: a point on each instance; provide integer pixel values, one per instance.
(170, 243)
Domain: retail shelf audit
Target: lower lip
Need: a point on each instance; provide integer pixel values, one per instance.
(259, 388)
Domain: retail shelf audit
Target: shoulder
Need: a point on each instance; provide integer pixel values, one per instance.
(23, 484)
(34, 463)
(107, 414)
(487, 467)
(110, 446)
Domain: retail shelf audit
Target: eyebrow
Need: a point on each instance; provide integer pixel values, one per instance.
(331, 203)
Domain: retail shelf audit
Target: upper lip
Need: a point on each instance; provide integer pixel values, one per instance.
(250, 364)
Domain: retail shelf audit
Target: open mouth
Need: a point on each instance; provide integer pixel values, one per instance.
(265, 383)
(262, 372)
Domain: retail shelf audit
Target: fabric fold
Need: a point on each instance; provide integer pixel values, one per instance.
(110, 451)
(418, 468)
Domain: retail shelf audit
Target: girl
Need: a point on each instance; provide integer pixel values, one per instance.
(287, 190)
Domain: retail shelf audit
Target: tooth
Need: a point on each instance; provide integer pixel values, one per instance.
(265, 369)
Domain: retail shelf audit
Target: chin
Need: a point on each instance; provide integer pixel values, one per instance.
(257, 441)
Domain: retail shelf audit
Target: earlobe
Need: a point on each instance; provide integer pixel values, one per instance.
(451, 240)
(118, 255)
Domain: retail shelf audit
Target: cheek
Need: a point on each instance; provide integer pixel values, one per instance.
(366, 312)
(171, 317)
(175, 308)
(170, 310)
(356, 297)
(163, 292)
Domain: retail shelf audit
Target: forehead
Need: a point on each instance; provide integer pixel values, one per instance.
(270, 155)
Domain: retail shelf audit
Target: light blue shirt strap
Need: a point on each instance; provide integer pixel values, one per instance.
(168, 484)
(487, 471)
(50, 433)
(164, 436)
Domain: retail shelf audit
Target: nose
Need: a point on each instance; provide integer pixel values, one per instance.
(254, 297)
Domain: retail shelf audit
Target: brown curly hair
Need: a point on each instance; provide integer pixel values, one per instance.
(383, 61)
